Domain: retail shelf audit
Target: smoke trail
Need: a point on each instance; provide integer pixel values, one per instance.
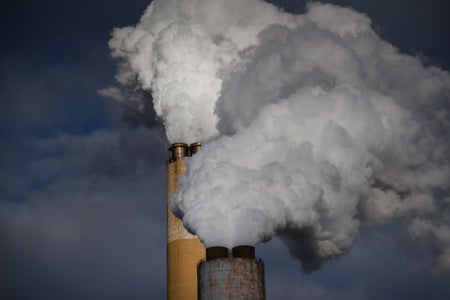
(182, 50)
(315, 125)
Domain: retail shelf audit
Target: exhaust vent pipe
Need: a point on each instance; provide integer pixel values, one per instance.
(216, 252)
(244, 252)
(194, 148)
(178, 151)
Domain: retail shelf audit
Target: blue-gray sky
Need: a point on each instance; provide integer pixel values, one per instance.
(82, 195)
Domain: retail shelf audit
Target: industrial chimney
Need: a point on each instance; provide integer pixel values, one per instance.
(184, 250)
(239, 277)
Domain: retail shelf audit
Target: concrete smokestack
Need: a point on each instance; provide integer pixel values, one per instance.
(240, 277)
(184, 250)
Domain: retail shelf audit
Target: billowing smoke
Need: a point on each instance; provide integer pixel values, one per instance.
(312, 124)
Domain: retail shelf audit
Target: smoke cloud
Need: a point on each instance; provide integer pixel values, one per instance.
(312, 124)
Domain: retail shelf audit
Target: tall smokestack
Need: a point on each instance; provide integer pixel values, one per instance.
(238, 277)
(184, 250)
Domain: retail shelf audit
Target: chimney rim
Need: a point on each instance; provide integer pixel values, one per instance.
(178, 145)
(243, 251)
(178, 151)
(216, 252)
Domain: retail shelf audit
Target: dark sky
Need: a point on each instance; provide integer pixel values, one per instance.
(82, 195)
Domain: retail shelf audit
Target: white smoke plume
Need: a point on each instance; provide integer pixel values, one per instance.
(312, 124)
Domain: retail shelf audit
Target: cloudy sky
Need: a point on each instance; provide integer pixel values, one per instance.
(82, 193)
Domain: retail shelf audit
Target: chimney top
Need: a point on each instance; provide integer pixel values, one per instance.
(216, 252)
(194, 147)
(178, 151)
(244, 251)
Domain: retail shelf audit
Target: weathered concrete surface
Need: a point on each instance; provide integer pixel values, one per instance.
(231, 278)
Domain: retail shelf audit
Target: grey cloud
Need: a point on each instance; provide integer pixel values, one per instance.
(74, 244)
(383, 264)
(89, 223)
(136, 103)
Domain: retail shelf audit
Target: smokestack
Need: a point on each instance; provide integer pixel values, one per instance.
(184, 250)
(240, 276)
